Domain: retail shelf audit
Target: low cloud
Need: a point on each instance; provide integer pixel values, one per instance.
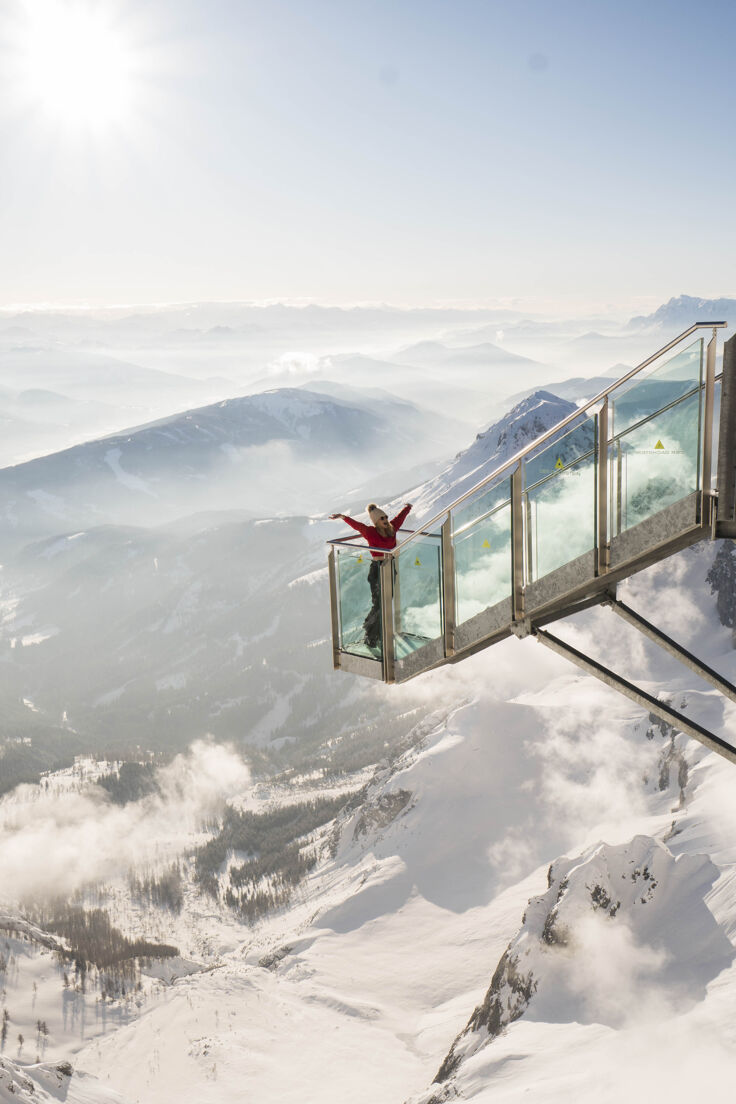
(52, 843)
(295, 364)
(617, 980)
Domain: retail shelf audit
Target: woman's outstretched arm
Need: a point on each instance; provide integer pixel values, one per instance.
(364, 530)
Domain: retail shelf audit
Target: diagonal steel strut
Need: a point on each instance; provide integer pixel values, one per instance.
(636, 694)
(702, 669)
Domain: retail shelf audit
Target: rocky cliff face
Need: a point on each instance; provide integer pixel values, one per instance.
(599, 946)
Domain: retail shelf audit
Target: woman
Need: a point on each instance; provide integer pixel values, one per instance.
(381, 534)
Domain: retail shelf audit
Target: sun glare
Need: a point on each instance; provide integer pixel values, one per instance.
(75, 64)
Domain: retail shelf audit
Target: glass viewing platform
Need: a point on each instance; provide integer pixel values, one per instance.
(631, 477)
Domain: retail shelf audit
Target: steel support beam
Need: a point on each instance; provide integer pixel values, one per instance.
(727, 439)
(701, 669)
(639, 696)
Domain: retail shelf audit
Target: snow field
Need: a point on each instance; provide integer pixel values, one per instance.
(394, 939)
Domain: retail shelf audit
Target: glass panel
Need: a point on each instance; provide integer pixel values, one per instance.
(564, 450)
(655, 464)
(484, 502)
(418, 615)
(483, 563)
(648, 393)
(560, 501)
(359, 602)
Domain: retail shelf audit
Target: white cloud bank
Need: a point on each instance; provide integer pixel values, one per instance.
(51, 843)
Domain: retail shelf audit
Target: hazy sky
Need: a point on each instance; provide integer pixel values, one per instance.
(410, 151)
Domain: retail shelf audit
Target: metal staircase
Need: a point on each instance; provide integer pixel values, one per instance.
(642, 470)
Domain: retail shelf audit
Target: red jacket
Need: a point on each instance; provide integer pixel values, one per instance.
(371, 534)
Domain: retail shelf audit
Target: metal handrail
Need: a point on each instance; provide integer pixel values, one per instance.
(349, 542)
(561, 425)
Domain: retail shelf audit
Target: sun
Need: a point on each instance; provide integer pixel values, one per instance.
(75, 64)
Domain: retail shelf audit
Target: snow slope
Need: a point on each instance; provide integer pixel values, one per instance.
(531, 417)
(544, 787)
(360, 988)
(43, 1083)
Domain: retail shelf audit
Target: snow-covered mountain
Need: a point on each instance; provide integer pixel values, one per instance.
(44, 1083)
(530, 418)
(285, 451)
(219, 625)
(547, 821)
(510, 836)
(681, 311)
(53, 397)
(167, 629)
(636, 897)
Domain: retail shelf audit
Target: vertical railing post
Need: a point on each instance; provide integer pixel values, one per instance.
(727, 436)
(602, 545)
(517, 545)
(531, 560)
(396, 599)
(707, 444)
(448, 586)
(333, 610)
(619, 480)
(389, 564)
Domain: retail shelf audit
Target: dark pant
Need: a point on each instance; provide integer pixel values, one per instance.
(372, 623)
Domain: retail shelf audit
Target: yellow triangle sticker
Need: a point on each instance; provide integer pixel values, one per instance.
(417, 562)
(359, 560)
(659, 445)
(485, 544)
(559, 463)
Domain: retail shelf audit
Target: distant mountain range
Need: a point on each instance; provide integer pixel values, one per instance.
(212, 323)
(679, 313)
(286, 451)
(205, 623)
(53, 397)
(436, 354)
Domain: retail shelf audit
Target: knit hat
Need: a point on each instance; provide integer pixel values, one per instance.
(375, 512)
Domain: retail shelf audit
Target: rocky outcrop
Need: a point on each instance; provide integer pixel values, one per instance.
(616, 925)
(671, 758)
(48, 1083)
(379, 812)
(16, 925)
